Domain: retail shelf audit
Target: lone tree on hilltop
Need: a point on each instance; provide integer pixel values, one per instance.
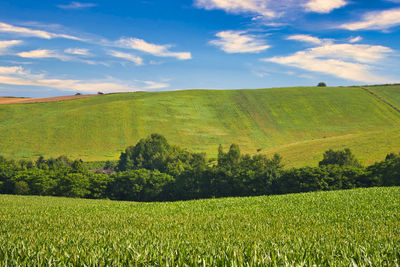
(321, 84)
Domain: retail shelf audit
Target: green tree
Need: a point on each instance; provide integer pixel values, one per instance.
(21, 188)
(72, 185)
(341, 157)
(151, 153)
(387, 172)
(141, 185)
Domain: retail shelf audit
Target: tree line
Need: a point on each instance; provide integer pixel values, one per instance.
(154, 170)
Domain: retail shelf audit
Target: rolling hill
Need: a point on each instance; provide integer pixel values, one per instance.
(299, 123)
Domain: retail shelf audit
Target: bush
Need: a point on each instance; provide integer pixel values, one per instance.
(21, 188)
(340, 157)
(141, 185)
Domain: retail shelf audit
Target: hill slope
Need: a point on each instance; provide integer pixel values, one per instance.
(299, 123)
(341, 228)
(389, 93)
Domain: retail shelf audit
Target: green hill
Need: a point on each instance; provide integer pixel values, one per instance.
(299, 123)
(342, 228)
(389, 93)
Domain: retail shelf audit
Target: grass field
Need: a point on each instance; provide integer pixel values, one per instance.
(390, 93)
(299, 123)
(342, 228)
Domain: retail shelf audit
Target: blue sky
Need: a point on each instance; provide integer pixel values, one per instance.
(51, 47)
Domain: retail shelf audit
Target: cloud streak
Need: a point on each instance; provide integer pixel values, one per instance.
(27, 32)
(324, 6)
(126, 56)
(77, 51)
(6, 45)
(17, 76)
(11, 70)
(380, 20)
(239, 42)
(353, 62)
(270, 9)
(77, 5)
(54, 54)
(44, 53)
(154, 49)
(260, 7)
(305, 38)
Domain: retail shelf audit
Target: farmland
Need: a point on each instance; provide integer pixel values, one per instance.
(344, 228)
(298, 123)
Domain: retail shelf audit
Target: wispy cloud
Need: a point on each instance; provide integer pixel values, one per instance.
(154, 49)
(305, 38)
(44, 53)
(27, 32)
(260, 7)
(324, 6)
(239, 42)
(129, 57)
(379, 20)
(355, 39)
(353, 62)
(357, 52)
(11, 70)
(47, 53)
(6, 45)
(270, 8)
(17, 76)
(77, 51)
(77, 5)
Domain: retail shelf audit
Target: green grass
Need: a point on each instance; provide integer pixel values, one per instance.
(300, 123)
(390, 93)
(342, 228)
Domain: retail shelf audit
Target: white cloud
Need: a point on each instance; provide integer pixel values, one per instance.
(154, 49)
(239, 42)
(77, 51)
(20, 77)
(324, 6)
(355, 39)
(44, 53)
(150, 85)
(5, 45)
(305, 38)
(77, 5)
(380, 20)
(11, 70)
(260, 7)
(270, 8)
(23, 31)
(347, 61)
(132, 58)
(356, 52)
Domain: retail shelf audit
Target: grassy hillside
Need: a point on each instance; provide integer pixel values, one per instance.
(355, 227)
(389, 93)
(299, 123)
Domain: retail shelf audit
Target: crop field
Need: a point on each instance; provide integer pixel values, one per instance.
(299, 123)
(341, 228)
(20, 100)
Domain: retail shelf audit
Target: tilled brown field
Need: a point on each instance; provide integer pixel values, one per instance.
(23, 100)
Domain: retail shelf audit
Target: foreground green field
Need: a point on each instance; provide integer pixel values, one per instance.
(299, 123)
(341, 228)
